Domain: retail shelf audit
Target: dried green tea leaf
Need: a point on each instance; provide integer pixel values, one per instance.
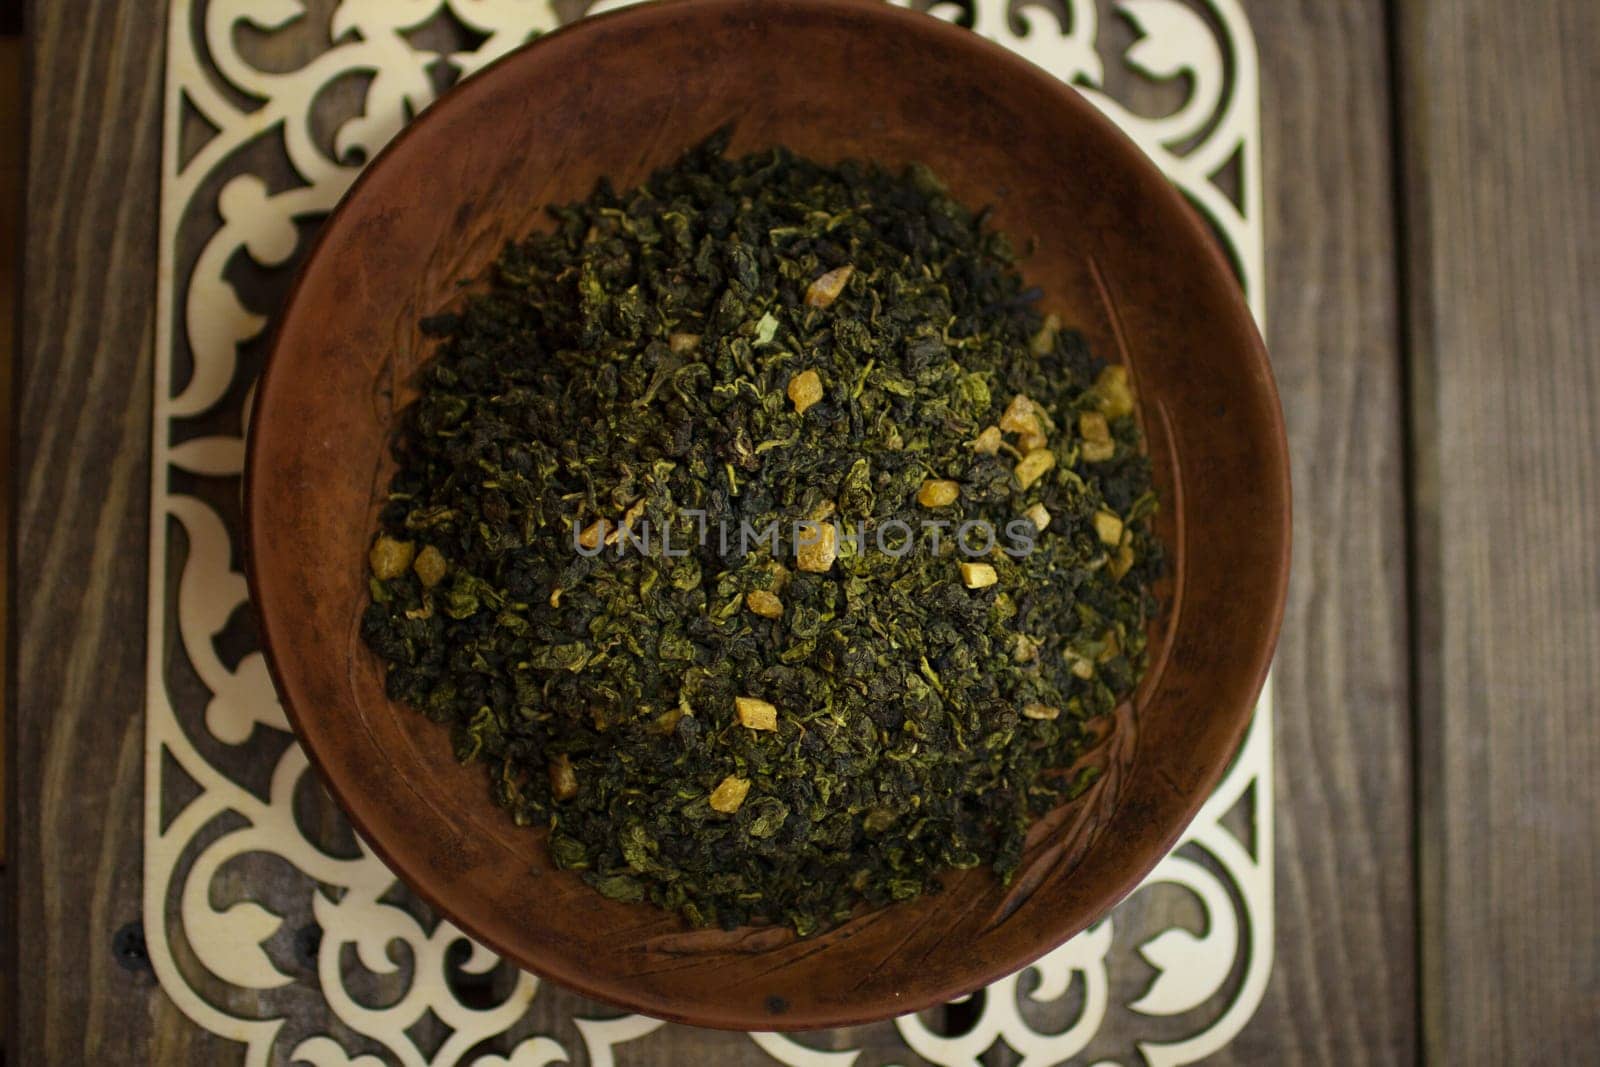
(765, 426)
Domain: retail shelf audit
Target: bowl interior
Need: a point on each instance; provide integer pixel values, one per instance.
(1118, 255)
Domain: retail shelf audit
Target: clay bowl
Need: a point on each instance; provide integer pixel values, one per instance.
(1119, 255)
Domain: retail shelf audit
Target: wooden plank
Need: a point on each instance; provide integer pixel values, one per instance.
(1343, 811)
(1343, 985)
(83, 403)
(11, 95)
(1502, 157)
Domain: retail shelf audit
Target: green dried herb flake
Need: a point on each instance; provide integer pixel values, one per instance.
(747, 355)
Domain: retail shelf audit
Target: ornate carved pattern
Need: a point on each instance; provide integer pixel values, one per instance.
(268, 922)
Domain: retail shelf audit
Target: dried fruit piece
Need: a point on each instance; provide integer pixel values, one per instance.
(430, 566)
(629, 517)
(1033, 466)
(1108, 527)
(729, 794)
(1115, 394)
(755, 713)
(563, 779)
(1093, 426)
(938, 493)
(764, 604)
(1044, 339)
(1020, 416)
(390, 558)
(805, 389)
(1029, 442)
(816, 547)
(1097, 443)
(826, 289)
(978, 575)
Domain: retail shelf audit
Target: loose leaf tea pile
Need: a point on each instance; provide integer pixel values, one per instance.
(764, 541)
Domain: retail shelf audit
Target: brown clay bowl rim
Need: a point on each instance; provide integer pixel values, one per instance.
(1275, 463)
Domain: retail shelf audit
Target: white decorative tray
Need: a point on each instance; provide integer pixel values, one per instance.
(267, 920)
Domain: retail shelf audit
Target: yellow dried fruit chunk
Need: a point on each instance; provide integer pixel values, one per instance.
(1040, 711)
(978, 575)
(1108, 526)
(1020, 417)
(1034, 465)
(755, 714)
(826, 289)
(390, 558)
(817, 547)
(729, 794)
(430, 566)
(591, 534)
(987, 443)
(629, 517)
(938, 493)
(1116, 396)
(1039, 515)
(682, 344)
(764, 604)
(805, 389)
(1097, 443)
(1122, 562)
(1028, 442)
(563, 780)
(1045, 339)
(1081, 667)
(1092, 425)
(667, 721)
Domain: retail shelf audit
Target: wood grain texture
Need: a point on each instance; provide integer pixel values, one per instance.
(1343, 984)
(1515, 726)
(83, 404)
(1502, 159)
(11, 97)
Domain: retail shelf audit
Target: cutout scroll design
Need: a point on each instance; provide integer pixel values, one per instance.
(271, 925)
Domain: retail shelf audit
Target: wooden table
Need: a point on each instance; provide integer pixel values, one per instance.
(1433, 177)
